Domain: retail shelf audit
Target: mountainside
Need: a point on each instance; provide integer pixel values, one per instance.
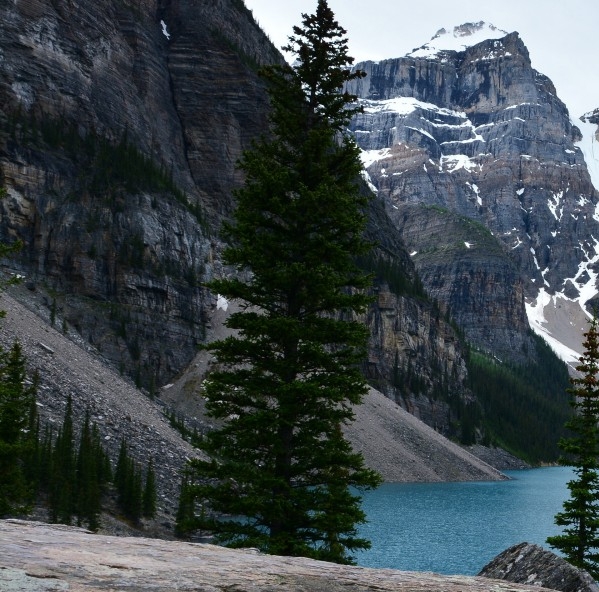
(120, 127)
(399, 446)
(473, 138)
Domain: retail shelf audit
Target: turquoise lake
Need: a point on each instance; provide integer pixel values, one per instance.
(456, 528)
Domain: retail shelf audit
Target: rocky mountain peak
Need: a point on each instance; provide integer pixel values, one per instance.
(591, 117)
(465, 125)
(457, 38)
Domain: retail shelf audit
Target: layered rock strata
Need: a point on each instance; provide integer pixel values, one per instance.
(120, 127)
(480, 133)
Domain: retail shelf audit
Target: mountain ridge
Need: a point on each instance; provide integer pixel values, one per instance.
(435, 128)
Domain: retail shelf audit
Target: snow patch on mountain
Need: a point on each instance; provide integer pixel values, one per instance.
(458, 38)
(542, 314)
(405, 106)
(369, 157)
(455, 162)
(561, 320)
(589, 146)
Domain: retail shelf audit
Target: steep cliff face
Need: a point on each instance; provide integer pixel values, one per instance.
(120, 126)
(415, 356)
(120, 130)
(480, 133)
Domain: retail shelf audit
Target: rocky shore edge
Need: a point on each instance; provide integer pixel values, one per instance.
(38, 557)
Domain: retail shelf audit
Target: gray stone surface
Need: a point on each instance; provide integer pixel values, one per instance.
(38, 557)
(531, 564)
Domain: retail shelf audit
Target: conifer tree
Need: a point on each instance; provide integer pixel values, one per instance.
(128, 482)
(46, 459)
(88, 486)
(186, 520)
(579, 542)
(149, 493)
(288, 377)
(134, 493)
(120, 473)
(17, 401)
(103, 460)
(62, 479)
(33, 454)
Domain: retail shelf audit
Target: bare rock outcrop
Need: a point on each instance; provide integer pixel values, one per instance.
(36, 557)
(530, 564)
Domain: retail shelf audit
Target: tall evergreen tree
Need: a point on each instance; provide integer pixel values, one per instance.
(17, 442)
(62, 479)
(17, 401)
(149, 492)
(87, 485)
(579, 541)
(287, 379)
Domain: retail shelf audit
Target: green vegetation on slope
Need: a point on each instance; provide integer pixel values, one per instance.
(524, 408)
(107, 169)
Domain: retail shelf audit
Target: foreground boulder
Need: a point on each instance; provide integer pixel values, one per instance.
(531, 564)
(35, 556)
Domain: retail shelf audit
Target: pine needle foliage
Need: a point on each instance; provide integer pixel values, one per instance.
(149, 493)
(17, 442)
(579, 541)
(280, 468)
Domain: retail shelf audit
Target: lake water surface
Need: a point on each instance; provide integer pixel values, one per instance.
(456, 528)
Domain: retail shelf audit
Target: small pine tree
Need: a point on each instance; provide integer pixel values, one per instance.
(46, 459)
(186, 520)
(128, 483)
(579, 541)
(87, 485)
(33, 457)
(120, 473)
(104, 467)
(17, 444)
(62, 479)
(149, 493)
(134, 493)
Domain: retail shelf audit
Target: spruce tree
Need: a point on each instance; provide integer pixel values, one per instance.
(186, 519)
(128, 482)
(17, 441)
(120, 473)
(62, 478)
(579, 542)
(149, 492)
(88, 486)
(286, 381)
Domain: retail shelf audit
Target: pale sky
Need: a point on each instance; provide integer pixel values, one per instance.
(561, 35)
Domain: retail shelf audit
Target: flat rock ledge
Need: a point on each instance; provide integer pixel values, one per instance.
(40, 557)
(531, 564)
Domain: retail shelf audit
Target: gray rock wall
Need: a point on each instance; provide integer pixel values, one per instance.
(483, 135)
